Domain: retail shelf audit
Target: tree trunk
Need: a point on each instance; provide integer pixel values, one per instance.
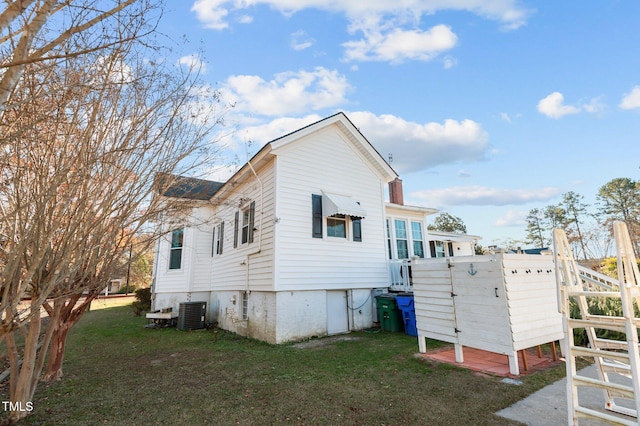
(22, 394)
(53, 370)
(63, 316)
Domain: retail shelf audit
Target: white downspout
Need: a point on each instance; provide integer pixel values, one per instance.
(259, 249)
(156, 258)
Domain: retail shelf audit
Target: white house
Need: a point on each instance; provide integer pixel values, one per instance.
(296, 243)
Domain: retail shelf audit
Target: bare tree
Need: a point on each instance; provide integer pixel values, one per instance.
(34, 30)
(619, 199)
(574, 212)
(82, 140)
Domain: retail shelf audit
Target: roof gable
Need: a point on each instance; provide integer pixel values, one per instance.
(351, 133)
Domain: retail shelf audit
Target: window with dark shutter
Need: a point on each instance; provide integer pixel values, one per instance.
(248, 222)
(357, 229)
(220, 238)
(213, 242)
(252, 220)
(432, 248)
(235, 229)
(316, 207)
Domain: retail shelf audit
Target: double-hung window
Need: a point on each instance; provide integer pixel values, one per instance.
(248, 219)
(175, 252)
(416, 236)
(402, 243)
(218, 240)
(440, 248)
(337, 226)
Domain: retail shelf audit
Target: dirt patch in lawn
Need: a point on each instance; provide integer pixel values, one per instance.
(324, 341)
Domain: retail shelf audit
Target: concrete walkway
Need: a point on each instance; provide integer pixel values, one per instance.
(548, 406)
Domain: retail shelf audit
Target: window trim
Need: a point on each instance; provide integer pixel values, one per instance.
(219, 238)
(176, 247)
(248, 215)
(245, 305)
(338, 219)
(415, 240)
(398, 239)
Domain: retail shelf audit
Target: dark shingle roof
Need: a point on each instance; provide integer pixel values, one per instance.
(187, 187)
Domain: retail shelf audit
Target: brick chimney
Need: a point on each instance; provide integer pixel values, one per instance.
(395, 192)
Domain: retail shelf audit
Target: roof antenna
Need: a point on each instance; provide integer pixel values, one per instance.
(390, 158)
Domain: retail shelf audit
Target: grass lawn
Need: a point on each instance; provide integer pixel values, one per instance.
(117, 372)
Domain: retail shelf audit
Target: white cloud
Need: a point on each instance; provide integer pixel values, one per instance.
(631, 100)
(508, 12)
(390, 28)
(516, 218)
(300, 40)
(449, 62)
(417, 146)
(484, 196)
(505, 117)
(414, 146)
(193, 62)
(245, 19)
(287, 92)
(266, 132)
(553, 106)
(118, 70)
(211, 14)
(595, 106)
(398, 45)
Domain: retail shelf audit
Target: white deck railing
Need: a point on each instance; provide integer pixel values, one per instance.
(400, 275)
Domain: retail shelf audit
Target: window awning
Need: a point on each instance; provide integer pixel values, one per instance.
(339, 204)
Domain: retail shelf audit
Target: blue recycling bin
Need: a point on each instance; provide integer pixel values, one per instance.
(406, 305)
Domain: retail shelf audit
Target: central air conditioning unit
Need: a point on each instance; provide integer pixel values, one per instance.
(191, 315)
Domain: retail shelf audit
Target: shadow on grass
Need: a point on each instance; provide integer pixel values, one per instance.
(118, 372)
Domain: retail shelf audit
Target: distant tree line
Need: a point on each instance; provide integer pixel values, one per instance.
(588, 227)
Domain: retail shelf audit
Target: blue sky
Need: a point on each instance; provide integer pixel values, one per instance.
(489, 108)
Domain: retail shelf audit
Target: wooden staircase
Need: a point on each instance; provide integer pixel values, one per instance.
(617, 361)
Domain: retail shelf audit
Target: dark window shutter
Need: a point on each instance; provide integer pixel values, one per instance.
(235, 230)
(450, 249)
(221, 237)
(316, 206)
(432, 248)
(213, 242)
(252, 215)
(357, 229)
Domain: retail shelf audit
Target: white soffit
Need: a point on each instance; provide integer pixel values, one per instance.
(340, 204)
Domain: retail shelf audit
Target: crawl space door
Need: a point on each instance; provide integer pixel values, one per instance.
(337, 312)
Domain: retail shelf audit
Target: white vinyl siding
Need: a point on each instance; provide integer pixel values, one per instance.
(195, 265)
(305, 262)
(240, 266)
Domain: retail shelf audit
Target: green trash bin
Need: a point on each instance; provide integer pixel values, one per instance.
(389, 316)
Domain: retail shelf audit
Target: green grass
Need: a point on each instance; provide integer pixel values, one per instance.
(117, 372)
